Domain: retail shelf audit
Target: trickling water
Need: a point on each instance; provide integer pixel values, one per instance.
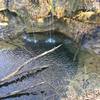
(51, 38)
(34, 38)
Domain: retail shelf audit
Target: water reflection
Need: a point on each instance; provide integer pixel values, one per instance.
(50, 40)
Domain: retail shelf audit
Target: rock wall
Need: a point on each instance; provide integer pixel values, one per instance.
(69, 17)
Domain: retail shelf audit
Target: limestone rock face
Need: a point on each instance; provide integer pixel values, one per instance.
(2, 5)
(44, 15)
(14, 5)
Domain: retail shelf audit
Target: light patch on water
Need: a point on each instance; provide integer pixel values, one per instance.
(35, 41)
(50, 40)
(30, 39)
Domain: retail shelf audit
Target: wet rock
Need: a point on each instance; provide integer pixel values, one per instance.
(94, 46)
(43, 16)
(2, 5)
(3, 18)
(92, 43)
(11, 25)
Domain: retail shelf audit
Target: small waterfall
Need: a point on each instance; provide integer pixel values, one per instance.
(34, 37)
(50, 37)
(30, 37)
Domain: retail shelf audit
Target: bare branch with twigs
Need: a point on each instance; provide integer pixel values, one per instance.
(35, 58)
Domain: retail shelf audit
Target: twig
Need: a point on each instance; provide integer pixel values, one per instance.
(75, 55)
(35, 58)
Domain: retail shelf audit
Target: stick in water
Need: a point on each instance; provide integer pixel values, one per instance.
(18, 92)
(20, 67)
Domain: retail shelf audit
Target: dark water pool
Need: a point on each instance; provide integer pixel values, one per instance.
(49, 83)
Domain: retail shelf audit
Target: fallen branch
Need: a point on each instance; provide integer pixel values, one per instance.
(35, 58)
(19, 92)
(23, 75)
